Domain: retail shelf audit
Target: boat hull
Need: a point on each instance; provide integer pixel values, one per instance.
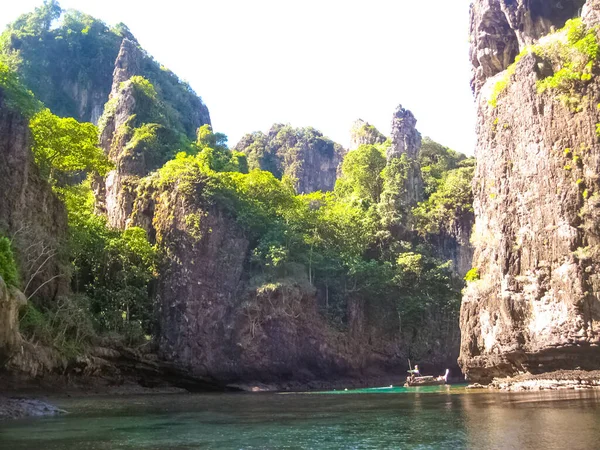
(424, 383)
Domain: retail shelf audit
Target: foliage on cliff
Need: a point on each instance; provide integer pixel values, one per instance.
(19, 98)
(65, 146)
(340, 238)
(299, 154)
(8, 267)
(570, 53)
(67, 59)
(341, 241)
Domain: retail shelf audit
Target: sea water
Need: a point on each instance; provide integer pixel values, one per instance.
(388, 418)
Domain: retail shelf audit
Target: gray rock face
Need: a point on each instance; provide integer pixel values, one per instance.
(500, 29)
(30, 213)
(15, 408)
(10, 302)
(128, 63)
(363, 133)
(406, 142)
(304, 154)
(454, 245)
(112, 196)
(536, 307)
(115, 194)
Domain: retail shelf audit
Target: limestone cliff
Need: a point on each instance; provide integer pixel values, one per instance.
(67, 60)
(306, 156)
(216, 322)
(30, 213)
(10, 302)
(406, 142)
(138, 132)
(363, 133)
(536, 306)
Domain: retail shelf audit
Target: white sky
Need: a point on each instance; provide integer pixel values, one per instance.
(320, 63)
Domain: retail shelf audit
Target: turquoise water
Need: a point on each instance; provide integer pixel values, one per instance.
(417, 418)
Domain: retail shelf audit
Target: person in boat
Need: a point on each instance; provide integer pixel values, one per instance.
(414, 372)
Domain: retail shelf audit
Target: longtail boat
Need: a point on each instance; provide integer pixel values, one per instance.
(427, 381)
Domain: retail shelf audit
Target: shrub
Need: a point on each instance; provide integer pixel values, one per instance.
(8, 266)
(472, 275)
(18, 97)
(68, 327)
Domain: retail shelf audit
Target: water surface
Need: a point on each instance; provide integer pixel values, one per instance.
(421, 418)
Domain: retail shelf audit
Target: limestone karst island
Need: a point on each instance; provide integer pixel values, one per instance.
(314, 235)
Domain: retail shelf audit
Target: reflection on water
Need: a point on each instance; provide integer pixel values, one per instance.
(439, 417)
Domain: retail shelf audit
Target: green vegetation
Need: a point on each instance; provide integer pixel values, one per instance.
(65, 146)
(360, 243)
(572, 53)
(282, 150)
(63, 56)
(112, 268)
(68, 327)
(363, 178)
(341, 239)
(37, 48)
(8, 267)
(448, 192)
(18, 98)
(452, 200)
(472, 275)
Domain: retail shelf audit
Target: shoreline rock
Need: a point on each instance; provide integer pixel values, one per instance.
(552, 381)
(17, 408)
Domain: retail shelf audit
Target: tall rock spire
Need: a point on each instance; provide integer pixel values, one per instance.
(406, 143)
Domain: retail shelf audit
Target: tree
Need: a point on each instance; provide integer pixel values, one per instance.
(361, 174)
(452, 200)
(64, 146)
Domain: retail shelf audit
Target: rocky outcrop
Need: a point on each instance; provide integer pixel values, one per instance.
(30, 213)
(215, 322)
(453, 244)
(536, 306)
(306, 156)
(16, 408)
(112, 194)
(10, 301)
(500, 29)
(406, 143)
(128, 111)
(363, 133)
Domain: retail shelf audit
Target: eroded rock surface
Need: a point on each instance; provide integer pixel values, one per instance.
(129, 110)
(406, 142)
(30, 213)
(363, 133)
(536, 307)
(310, 159)
(16, 408)
(500, 29)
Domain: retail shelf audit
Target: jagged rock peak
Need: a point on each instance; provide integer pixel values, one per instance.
(500, 29)
(128, 64)
(363, 133)
(405, 137)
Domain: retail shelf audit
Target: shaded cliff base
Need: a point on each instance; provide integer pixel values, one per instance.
(551, 381)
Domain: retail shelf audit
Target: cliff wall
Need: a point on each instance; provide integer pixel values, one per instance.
(30, 213)
(536, 306)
